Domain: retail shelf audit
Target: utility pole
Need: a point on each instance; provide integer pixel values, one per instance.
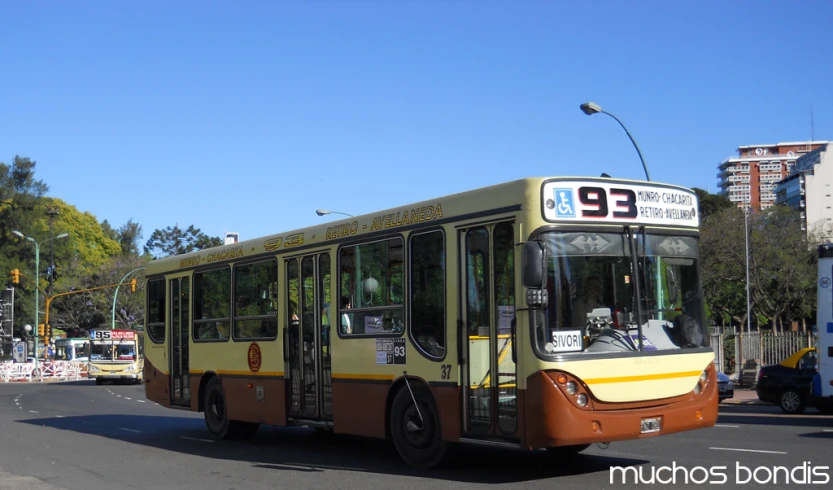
(52, 212)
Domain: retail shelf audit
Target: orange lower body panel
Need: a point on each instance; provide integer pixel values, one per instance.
(553, 419)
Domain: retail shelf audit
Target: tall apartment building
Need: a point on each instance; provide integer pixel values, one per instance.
(749, 179)
(809, 188)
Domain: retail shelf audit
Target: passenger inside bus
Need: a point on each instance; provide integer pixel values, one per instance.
(590, 300)
(346, 326)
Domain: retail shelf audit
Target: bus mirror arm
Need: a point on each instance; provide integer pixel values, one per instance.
(512, 339)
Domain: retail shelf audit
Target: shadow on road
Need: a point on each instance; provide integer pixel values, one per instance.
(771, 415)
(305, 450)
(818, 435)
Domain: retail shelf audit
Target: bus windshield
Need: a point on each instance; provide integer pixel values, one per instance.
(603, 294)
(118, 350)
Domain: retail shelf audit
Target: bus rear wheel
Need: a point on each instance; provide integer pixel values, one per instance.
(417, 434)
(216, 415)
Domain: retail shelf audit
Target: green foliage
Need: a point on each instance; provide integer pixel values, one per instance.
(710, 204)
(175, 241)
(782, 265)
(92, 255)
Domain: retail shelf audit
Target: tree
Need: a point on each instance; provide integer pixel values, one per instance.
(782, 265)
(176, 241)
(20, 195)
(80, 259)
(722, 249)
(709, 204)
(128, 237)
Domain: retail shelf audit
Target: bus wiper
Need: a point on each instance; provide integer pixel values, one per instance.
(636, 285)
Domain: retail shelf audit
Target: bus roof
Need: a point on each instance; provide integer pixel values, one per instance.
(506, 196)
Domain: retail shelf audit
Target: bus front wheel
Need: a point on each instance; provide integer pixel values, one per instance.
(417, 434)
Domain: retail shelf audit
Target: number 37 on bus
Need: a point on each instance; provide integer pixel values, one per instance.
(541, 313)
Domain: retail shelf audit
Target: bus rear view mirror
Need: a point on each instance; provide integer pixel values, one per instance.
(534, 262)
(673, 288)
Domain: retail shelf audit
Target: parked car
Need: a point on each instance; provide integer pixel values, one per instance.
(725, 387)
(787, 384)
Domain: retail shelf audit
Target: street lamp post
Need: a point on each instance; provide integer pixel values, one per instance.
(37, 283)
(116, 294)
(746, 237)
(591, 108)
(322, 212)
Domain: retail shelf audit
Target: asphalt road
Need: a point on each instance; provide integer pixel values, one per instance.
(78, 435)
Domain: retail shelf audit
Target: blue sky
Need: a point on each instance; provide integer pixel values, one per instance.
(247, 116)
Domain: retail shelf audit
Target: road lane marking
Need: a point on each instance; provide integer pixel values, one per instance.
(746, 450)
(140, 401)
(127, 398)
(195, 439)
(59, 416)
(33, 411)
(724, 425)
(130, 430)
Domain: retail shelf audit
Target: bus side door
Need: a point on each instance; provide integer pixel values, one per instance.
(487, 311)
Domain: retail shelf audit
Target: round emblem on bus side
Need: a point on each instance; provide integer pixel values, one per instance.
(254, 357)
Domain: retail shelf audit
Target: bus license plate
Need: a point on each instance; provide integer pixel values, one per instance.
(650, 425)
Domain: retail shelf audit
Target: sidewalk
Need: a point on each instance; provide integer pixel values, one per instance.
(744, 396)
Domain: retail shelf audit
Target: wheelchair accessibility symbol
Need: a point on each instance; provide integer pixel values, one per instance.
(564, 207)
(824, 282)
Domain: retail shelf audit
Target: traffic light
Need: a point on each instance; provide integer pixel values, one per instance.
(133, 285)
(40, 330)
(15, 275)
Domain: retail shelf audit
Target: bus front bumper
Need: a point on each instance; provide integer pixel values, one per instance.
(554, 419)
(114, 376)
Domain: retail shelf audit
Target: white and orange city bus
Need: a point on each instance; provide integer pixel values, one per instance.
(539, 313)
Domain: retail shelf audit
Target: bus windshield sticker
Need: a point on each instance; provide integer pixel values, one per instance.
(567, 341)
(390, 351)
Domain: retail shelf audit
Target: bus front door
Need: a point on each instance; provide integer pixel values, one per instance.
(488, 334)
(180, 336)
(307, 337)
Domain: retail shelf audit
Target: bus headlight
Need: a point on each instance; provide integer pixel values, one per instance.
(581, 400)
(93, 369)
(703, 377)
(697, 389)
(571, 388)
(130, 369)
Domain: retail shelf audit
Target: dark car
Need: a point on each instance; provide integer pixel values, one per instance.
(725, 387)
(787, 384)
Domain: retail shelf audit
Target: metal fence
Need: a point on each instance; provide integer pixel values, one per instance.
(741, 354)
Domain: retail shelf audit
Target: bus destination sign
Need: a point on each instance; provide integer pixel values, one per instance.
(619, 202)
(112, 334)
